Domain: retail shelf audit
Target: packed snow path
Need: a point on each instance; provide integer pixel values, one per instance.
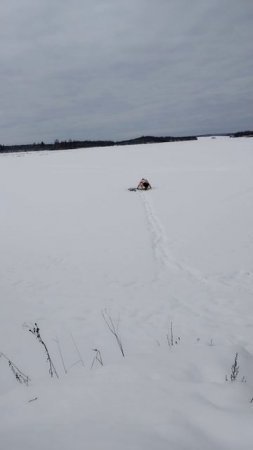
(159, 240)
(160, 243)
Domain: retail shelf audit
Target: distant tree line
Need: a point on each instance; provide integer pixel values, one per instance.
(66, 145)
(242, 134)
(154, 140)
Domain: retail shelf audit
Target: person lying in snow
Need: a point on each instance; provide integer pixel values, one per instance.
(144, 185)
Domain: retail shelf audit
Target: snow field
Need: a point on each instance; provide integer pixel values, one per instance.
(74, 243)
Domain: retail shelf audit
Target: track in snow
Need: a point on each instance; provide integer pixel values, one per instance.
(160, 245)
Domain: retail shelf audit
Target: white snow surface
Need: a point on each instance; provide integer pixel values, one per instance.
(76, 244)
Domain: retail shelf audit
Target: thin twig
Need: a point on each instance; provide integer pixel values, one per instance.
(97, 357)
(19, 375)
(77, 350)
(36, 332)
(113, 329)
(170, 337)
(60, 353)
(234, 369)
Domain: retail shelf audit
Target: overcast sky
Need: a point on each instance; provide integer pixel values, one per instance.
(114, 69)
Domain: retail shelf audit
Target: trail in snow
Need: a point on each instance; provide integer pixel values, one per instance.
(160, 245)
(193, 297)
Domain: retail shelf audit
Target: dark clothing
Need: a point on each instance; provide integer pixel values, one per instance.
(144, 185)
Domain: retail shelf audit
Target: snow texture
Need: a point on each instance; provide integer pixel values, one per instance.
(171, 269)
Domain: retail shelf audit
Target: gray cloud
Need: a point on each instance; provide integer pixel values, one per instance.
(116, 69)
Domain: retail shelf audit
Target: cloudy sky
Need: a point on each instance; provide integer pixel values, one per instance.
(114, 69)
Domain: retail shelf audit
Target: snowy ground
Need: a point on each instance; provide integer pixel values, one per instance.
(75, 243)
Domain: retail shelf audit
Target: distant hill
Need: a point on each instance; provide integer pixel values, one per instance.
(155, 140)
(68, 145)
(242, 134)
